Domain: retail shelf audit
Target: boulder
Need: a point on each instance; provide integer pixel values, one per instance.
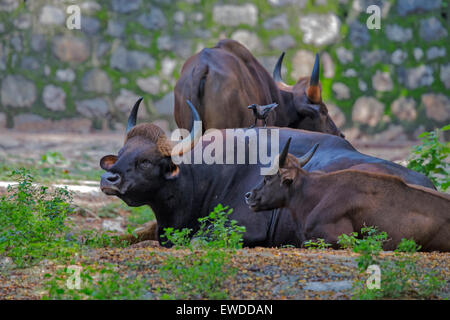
(17, 92)
(368, 111)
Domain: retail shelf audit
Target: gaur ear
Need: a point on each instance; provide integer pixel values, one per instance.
(108, 161)
(172, 171)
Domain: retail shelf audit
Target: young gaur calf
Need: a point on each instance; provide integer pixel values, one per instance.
(326, 205)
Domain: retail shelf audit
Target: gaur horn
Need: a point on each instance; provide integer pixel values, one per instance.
(277, 70)
(313, 91)
(283, 154)
(306, 157)
(196, 132)
(133, 115)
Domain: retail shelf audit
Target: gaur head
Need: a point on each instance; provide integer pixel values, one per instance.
(274, 190)
(306, 99)
(144, 163)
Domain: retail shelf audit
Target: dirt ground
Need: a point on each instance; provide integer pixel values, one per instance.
(263, 273)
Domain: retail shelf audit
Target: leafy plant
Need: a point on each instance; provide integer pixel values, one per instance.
(319, 244)
(401, 275)
(430, 158)
(202, 271)
(33, 221)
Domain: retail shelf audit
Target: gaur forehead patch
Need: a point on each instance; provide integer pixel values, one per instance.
(146, 130)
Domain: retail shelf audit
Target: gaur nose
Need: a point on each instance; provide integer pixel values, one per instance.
(247, 195)
(112, 178)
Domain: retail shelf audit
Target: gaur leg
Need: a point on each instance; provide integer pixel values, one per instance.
(148, 232)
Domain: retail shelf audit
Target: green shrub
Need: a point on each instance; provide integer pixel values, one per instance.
(401, 276)
(319, 244)
(33, 221)
(201, 272)
(430, 158)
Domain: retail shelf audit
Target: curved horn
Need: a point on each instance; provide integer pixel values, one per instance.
(313, 91)
(306, 157)
(283, 154)
(277, 70)
(314, 81)
(196, 131)
(133, 115)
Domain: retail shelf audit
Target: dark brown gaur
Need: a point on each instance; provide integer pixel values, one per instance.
(222, 81)
(326, 205)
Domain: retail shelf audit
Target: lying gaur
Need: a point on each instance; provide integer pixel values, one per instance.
(326, 205)
(231, 72)
(144, 173)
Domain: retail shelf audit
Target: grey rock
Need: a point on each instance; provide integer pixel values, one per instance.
(392, 133)
(341, 91)
(102, 48)
(381, 81)
(302, 64)
(9, 5)
(398, 34)
(154, 20)
(16, 43)
(405, 7)
(143, 41)
(249, 39)
(283, 42)
(398, 56)
(445, 75)
(328, 286)
(125, 60)
(350, 73)
(179, 18)
(234, 15)
(23, 21)
(370, 58)
(71, 49)
(368, 111)
(17, 92)
(165, 42)
(277, 22)
(29, 63)
(413, 78)
(2, 27)
(114, 225)
(125, 6)
(165, 105)
(92, 108)
(281, 3)
(320, 29)
(197, 16)
(38, 42)
(358, 34)
(431, 29)
(202, 33)
(328, 65)
(183, 48)
(54, 98)
(96, 80)
(435, 52)
(437, 106)
(362, 85)
(30, 122)
(90, 7)
(125, 100)
(336, 114)
(150, 84)
(167, 66)
(344, 56)
(404, 109)
(418, 53)
(115, 28)
(52, 15)
(90, 25)
(269, 64)
(65, 75)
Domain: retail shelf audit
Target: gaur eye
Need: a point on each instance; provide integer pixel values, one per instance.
(145, 164)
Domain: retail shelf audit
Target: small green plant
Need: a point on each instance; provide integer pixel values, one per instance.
(401, 275)
(430, 158)
(33, 221)
(201, 272)
(318, 244)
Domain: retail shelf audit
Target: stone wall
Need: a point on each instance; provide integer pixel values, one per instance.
(393, 80)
